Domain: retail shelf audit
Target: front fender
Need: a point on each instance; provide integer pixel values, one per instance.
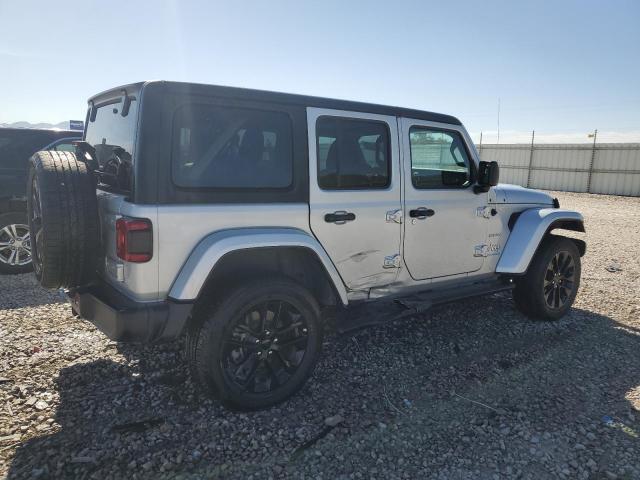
(213, 247)
(529, 230)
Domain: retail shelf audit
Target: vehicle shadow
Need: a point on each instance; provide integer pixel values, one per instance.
(144, 416)
(105, 405)
(22, 291)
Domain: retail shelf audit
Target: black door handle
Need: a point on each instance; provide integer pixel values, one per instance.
(421, 213)
(339, 217)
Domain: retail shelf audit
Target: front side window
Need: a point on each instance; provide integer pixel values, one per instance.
(352, 153)
(224, 147)
(438, 159)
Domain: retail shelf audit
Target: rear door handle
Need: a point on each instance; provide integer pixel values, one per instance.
(421, 213)
(340, 217)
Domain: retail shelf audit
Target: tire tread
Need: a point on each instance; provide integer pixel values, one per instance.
(69, 218)
(526, 293)
(210, 321)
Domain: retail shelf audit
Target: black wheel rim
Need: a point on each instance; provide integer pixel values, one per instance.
(559, 280)
(264, 346)
(35, 226)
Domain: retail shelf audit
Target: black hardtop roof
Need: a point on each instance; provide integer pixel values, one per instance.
(278, 97)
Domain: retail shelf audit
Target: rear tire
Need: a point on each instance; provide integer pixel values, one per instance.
(258, 345)
(548, 289)
(15, 248)
(63, 219)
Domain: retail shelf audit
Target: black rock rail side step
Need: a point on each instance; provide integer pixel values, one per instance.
(376, 312)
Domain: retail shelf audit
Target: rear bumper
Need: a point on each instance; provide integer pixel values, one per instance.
(125, 320)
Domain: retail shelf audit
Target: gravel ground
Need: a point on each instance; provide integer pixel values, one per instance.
(472, 390)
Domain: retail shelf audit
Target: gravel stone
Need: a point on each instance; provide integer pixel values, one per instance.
(333, 421)
(471, 390)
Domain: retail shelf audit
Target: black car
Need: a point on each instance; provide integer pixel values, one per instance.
(16, 147)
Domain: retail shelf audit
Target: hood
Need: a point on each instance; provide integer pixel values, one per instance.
(506, 193)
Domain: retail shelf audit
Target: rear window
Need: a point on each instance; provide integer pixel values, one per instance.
(224, 147)
(113, 136)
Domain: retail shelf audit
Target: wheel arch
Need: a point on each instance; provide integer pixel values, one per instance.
(231, 256)
(528, 231)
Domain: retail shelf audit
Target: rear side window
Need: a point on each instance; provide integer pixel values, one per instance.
(224, 147)
(438, 159)
(352, 153)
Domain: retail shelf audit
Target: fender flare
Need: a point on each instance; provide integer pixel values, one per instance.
(204, 257)
(527, 233)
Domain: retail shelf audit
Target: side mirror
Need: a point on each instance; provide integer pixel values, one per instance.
(488, 176)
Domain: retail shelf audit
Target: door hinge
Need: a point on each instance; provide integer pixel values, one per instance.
(392, 261)
(394, 216)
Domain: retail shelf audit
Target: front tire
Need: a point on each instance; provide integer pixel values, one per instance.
(548, 289)
(258, 345)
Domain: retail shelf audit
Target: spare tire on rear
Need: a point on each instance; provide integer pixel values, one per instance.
(63, 219)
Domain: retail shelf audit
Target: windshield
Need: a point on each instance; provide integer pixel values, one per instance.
(113, 136)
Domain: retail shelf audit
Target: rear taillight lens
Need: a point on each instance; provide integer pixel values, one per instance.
(134, 239)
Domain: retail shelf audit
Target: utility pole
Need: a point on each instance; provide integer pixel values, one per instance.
(533, 136)
(498, 120)
(593, 135)
(480, 149)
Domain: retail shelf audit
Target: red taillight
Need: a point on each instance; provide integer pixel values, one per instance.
(134, 239)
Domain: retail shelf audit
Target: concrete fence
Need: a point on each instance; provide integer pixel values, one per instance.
(609, 168)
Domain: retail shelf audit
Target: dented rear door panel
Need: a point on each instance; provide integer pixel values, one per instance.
(365, 248)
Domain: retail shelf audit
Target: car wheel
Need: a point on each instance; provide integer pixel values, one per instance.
(15, 244)
(551, 283)
(258, 345)
(63, 219)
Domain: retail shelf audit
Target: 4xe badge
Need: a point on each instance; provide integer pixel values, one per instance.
(487, 250)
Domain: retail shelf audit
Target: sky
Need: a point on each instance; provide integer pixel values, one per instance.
(563, 68)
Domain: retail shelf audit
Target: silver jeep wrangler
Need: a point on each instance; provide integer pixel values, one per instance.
(245, 218)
